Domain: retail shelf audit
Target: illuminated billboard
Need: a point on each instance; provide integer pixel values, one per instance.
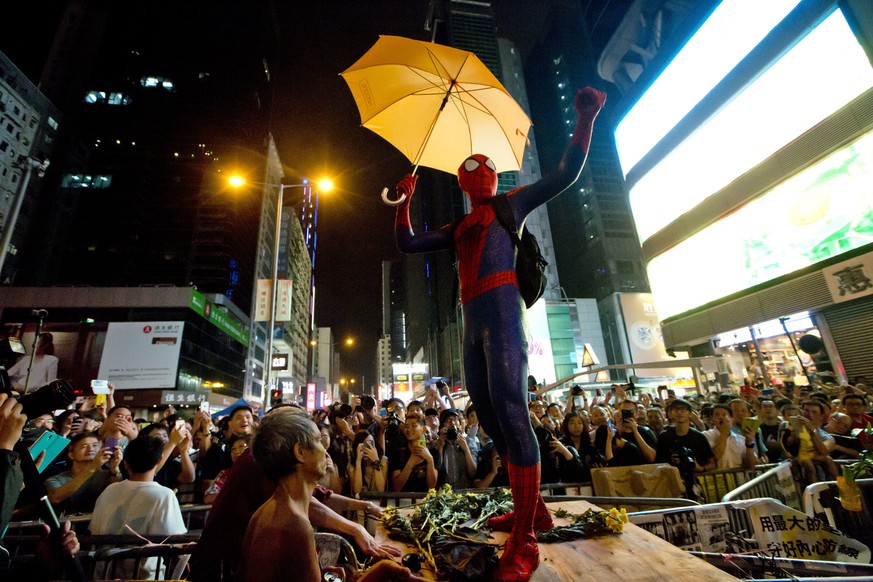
(820, 213)
(779, 106)
(733, 29)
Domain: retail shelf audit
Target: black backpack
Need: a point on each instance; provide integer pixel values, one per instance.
(530, 266)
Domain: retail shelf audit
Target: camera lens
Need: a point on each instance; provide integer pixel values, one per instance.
(53, 396)
(451, 434)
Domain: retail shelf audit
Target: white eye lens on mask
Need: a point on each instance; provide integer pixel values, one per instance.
(470, 164)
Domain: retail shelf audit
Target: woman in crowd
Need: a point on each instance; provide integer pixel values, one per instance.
(370, 469)
(239, 446)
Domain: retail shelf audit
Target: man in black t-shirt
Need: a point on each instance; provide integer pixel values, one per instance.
(770, 422)
(684, 447)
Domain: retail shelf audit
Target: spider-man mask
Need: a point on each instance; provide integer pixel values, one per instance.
(477, 177)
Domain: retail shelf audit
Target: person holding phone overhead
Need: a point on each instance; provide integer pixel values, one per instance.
(93, 469)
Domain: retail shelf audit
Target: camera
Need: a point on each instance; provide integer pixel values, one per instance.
(392, 419)
(53, 396)
(451, 434)
(683, 459)
(367, 402)
(344, 411)
(576, 390)
(627, 414)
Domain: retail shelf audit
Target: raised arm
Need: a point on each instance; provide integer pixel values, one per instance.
(407, 240)
(588, 103)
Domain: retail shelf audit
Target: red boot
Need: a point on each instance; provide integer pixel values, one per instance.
(521, 555)
(542, 519)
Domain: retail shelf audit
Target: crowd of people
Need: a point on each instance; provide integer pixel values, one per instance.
(267, 474)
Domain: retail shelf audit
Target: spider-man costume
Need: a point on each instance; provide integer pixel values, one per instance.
(495, 337)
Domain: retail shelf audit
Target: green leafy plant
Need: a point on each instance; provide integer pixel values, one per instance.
(444, 516)
(863, 467)
(443, 513)
(592, 523)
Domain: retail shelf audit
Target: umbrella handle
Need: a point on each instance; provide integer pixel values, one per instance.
(390, 202)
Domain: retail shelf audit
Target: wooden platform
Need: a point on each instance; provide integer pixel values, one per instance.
(634, 555)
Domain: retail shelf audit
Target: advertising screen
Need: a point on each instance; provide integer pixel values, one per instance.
(779, 106)
(540, 362)
(72, 351)
(733, 29)
(820, 213)
(644, 336)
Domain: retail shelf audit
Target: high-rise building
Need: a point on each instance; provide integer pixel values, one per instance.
(596, 249)
(28, 132)
(163, 101)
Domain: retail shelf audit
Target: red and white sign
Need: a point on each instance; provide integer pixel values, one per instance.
(284, 300)
(262, 301)
(310, 397)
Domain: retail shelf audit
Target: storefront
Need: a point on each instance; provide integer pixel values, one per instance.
(771, 353)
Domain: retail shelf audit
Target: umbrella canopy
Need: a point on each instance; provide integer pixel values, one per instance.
(437, 104)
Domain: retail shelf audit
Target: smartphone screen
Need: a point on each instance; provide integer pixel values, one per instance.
(100, 386)
(204, 407)
(180, 424)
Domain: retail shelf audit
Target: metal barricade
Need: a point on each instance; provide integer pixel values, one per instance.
(776, 483)
(714, 485)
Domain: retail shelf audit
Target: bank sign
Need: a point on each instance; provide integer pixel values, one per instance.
(219, 318)
(142, 354)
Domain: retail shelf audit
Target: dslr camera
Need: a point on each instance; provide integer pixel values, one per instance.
(576, 390)
(53, 396)
(392, 419)
(451, 434)
(683, 459)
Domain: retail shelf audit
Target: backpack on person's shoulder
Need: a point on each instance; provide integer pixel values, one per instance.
(530, 266)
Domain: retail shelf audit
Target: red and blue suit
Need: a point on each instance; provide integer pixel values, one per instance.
(495, 338)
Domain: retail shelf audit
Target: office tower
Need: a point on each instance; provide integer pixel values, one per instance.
(163, 101)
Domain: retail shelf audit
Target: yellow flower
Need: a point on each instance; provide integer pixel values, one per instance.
(616, 519)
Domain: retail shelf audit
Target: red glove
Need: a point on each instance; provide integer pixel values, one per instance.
(588, 103)
(406, 186)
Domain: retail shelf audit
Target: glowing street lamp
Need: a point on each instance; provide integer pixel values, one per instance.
(324, 185)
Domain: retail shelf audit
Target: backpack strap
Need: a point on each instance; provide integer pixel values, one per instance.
(505, 217)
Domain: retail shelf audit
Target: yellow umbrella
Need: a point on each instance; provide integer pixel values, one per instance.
(437, 104)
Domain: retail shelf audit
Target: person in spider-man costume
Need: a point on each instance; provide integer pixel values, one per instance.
(495, 341)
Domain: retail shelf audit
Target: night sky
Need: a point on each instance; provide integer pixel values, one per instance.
(317, 130)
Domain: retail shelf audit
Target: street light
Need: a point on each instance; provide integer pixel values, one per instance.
(324, 185)
(315, 345)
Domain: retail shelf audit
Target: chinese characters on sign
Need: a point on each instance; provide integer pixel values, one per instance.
(850, 279)
(280, 362)
(788, 533)
(283, 300)
(180, 397)
(262, 300)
